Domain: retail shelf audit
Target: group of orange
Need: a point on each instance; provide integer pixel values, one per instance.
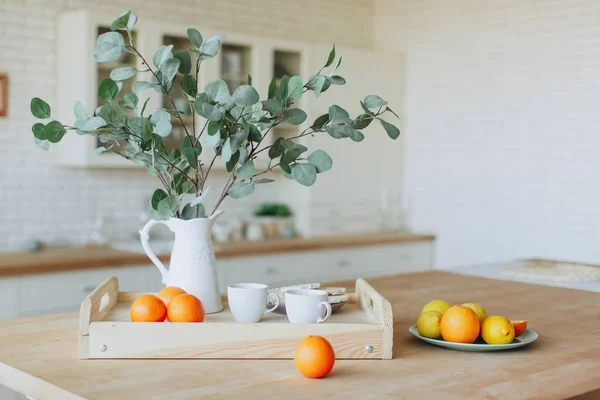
(172, 304)
(466, 323)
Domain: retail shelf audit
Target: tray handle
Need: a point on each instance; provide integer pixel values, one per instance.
(371, 301)
(94, 308)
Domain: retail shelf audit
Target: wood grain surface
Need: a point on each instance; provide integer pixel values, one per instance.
(65, 259)
(564, 362)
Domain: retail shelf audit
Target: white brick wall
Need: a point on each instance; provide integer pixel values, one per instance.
(40, 200)
(503, 124)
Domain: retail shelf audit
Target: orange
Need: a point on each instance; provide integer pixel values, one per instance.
(167, 294)
(148, 308)
(314, 357)
(185, 308)
(519, 326)
(459, 324)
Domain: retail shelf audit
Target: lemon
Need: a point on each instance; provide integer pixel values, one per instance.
(479, 311)
(497, 330)
(436, 305)
(428, 324)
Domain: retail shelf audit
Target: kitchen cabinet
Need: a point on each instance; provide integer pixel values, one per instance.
(325, 265)
(9, 297)
(64, 291)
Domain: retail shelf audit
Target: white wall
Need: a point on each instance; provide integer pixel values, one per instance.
(503, 124)
(40, 200)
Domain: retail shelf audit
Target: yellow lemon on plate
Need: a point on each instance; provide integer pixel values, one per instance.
(497, 330)
(479, 311)
(436, 305)
(428, 324)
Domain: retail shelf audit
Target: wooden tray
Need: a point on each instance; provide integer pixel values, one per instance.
(362, 329)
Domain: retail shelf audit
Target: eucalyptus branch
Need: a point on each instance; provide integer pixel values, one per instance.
(166, 92)
(225, 191)
(269, 169)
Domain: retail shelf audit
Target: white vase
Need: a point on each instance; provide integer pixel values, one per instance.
(192, 266)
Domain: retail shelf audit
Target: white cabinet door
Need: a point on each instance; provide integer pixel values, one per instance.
(9, 297)
(326, 265)
(64, 291)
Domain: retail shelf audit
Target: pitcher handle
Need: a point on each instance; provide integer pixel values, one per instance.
(144, 237)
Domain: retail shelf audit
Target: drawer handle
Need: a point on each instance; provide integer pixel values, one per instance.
(343, 263)
(271, 271)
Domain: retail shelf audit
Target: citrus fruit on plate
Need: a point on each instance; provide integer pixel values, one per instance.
(497, 330)
(459, 324)
(526, 338)
(520, 327)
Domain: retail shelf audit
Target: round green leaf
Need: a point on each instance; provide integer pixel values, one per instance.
(185, 61)
(38, 131)
(91, 124)
(124, 21)
(294, 116)
(247, 170)
(54, 131)
(374, 101)
(42, 144)
(162, 54)
(295, 88)
(391, 130)
(195, 37)
(321, 160)
(245, 96)
(169, 68)
(39, 108)
(109, 47)
(79, 111)
(121, 74)
(212, 112)
(337, 115)
(217, 91)
(304, 174)
(158, 195)
(190, 155)
(168, 206)
(240, 190)
(108, 90)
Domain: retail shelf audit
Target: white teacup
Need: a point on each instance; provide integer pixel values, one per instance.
(306, 306)
(248, 301)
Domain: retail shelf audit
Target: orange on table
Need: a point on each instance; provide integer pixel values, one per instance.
(185, 308)
(168, 293)
(520, 327)
(148, 308)
(459, 324)
(314, 357)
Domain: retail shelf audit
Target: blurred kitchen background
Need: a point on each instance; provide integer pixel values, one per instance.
(497, 159)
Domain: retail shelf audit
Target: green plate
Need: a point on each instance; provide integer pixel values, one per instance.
(527, 337)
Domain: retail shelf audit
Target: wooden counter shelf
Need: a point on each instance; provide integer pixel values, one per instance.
(85, 257)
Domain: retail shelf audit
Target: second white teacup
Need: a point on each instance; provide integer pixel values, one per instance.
(248, 301)
(306, 306)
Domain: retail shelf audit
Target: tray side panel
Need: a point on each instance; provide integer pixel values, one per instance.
(372, 302)
(226, 340)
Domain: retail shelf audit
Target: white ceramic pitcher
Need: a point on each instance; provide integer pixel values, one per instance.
(192, 266)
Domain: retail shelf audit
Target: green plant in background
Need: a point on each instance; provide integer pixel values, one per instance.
(236, 124)
(272, 210)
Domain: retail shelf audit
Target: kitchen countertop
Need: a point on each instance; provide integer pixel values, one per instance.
(39, 355)
(75, 258)
(495, 271)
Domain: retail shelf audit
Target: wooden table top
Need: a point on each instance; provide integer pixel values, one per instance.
(39, 355)
(76, 258)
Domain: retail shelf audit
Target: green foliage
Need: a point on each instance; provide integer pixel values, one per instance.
(238, 125)
(272, 210)
(39, 108)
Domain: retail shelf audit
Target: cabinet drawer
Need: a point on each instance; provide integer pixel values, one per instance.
(64, 291)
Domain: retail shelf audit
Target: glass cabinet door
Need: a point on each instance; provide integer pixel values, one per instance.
(235, 65)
